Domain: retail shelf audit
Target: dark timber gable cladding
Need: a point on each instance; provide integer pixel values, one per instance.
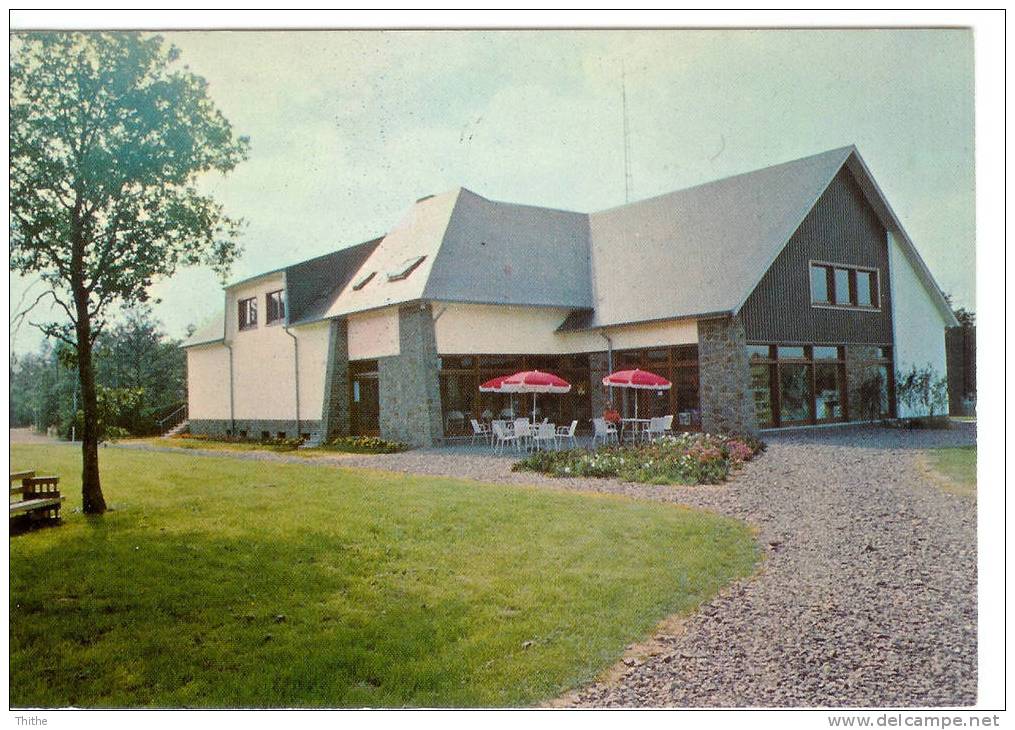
(841, 228)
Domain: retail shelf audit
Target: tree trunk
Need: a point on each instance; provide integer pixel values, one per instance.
(92, 501)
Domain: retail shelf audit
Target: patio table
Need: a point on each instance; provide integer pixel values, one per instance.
(637, 426)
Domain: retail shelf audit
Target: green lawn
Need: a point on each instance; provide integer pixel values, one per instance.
(958, 466)
(218, 582)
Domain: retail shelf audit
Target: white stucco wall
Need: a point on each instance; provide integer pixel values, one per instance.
(499, 329)
(263, 365)
(373, 334)
(208, 382)
(919, 325)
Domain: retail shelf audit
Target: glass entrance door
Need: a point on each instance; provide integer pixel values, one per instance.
(364, 398)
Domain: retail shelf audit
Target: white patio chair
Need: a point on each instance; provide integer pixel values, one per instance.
(656, 428)
(480, 430)
(544, 435)
(502, 436)
(603, 430)
(523, 431)
(566, 433)
(667, 424)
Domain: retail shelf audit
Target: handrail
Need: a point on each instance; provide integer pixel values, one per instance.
(173, 417)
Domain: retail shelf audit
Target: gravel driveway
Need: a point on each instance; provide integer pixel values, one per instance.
(866, 596)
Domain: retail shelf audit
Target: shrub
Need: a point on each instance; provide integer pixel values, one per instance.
(365, 445)
(690, 458)
(922, 389)
(925, 423)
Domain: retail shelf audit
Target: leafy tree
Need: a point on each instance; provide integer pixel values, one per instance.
(42, 387)
(136, 354)
(966, 317)
(922, 389)
(107, 142)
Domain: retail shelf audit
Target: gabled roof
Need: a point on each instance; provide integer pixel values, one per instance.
(695, 252)
(701, 250)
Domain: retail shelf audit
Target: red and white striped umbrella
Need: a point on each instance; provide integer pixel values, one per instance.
(637, 379)
(534, 381)
(494, 385)
(641, 379)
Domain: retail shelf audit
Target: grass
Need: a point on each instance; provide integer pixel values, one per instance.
(216, 582)
(957, 465)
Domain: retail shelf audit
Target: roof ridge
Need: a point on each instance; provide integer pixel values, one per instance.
(845, 151)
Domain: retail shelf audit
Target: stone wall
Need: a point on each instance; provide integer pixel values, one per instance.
(598, 369)
(252, 428)
(727, 404)
(410, 400)
(335, 411)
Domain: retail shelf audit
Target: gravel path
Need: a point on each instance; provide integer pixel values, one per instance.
(866, 596)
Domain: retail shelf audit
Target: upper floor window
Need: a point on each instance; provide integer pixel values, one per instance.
(248, 313)
(276, 306)
(844, 286)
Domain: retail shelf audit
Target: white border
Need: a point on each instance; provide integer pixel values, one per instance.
(990, 64)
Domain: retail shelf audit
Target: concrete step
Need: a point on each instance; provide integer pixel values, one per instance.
(177, 429)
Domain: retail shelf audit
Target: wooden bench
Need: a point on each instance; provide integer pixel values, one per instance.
(35, 498)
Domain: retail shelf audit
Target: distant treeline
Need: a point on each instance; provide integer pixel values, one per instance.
(141, 374)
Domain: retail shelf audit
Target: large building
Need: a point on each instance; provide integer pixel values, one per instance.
(779, 297)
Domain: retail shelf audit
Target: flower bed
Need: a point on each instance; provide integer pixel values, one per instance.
(690, 458)
(364, 445)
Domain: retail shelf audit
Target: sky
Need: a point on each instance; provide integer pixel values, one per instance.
(349, 128)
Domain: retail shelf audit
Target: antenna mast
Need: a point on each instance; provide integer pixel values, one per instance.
(627, 138)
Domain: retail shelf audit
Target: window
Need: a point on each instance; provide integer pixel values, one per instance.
(843, 286)
(248, 313)
(826, 353)
(843, 297)
(821, 287)
(800, 385)
(405, 268)
(276, 307)
(866, 289)
(363, 281)
(759, 352)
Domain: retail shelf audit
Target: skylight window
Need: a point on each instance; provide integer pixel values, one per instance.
(363, 281)
(405, 268)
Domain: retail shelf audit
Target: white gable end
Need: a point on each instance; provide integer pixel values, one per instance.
(919, 324)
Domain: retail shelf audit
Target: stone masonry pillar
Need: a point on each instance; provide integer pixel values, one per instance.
(597, 391)
(335, 411)
(410, 398)
(727, 404)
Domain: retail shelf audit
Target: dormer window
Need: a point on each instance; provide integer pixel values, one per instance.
(248, 313)
(405, 268)
(276, 306)
(363, 281)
